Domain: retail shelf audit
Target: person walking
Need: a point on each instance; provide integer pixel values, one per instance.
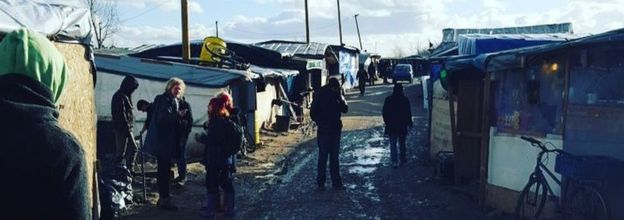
(123, 122)
(397, 116)
(326, 110)
(362, 78)
(185, 124)
(218, 157)
(160, 140)
(43, 166)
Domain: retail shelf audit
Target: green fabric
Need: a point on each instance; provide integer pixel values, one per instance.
(29, 53)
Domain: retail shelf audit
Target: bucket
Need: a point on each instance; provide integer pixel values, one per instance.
(215, 45)
(282, 123)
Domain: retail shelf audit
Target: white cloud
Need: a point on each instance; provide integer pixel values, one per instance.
(162, 5)
(389, 24)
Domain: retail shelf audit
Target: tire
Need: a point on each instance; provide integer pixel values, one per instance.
(584, 202)
(532, 199)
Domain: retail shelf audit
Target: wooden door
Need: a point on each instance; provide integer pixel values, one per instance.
(467, 146)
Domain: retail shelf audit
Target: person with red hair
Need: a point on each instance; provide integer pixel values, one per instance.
(220, 131)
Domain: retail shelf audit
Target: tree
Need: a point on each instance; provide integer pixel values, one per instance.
(104, 18)
(398, 51)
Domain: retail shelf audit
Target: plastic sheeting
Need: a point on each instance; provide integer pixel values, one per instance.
(516, 58)
(115, 183)
(474, 44)
(153, 69)
(62, 20)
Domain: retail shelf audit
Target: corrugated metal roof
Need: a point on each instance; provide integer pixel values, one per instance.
(314, 49)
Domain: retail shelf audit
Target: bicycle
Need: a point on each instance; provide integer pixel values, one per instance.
(579, 199)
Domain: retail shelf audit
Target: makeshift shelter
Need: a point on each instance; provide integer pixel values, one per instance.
(280, 77)
(202, 83)
(67, 24)
(460, 75)
(567, 94)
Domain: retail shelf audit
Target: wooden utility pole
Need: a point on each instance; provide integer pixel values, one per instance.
(339, 22)
(217, 27)
(358, 30)
(307, 22)
(186, 47)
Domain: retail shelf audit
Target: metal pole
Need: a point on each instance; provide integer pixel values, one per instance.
(186, 47)
(217, 27)
(339, 22)
(307, 22)
(358, 30)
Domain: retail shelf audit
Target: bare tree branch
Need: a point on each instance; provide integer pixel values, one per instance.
(104, 18)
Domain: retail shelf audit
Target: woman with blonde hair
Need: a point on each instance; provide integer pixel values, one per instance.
(219, 162)
(161, 139)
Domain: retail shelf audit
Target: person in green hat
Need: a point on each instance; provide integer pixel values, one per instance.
(42, 165)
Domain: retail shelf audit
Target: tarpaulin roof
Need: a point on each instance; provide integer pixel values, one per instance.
(67, 21)
(473, 44)
(450, 36)
(515, 58)
(265, 62)
(161, 70)
(308, 50)
(252, 54)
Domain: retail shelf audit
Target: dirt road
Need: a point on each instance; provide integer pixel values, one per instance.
(278, 181)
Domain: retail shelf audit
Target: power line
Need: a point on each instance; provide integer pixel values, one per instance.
(146, 11)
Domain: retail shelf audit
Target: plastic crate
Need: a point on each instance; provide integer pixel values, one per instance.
(600, 168)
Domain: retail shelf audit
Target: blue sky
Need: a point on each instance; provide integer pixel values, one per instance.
(389, 27)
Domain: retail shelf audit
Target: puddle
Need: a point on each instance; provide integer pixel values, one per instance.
(362, 170)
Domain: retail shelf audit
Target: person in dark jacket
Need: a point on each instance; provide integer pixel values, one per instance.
(185, 124)
(160, 140)
(362, 78)
(397, 116)
(372, 73)
(145, 106)
(326, 109)
(42, 165)
(123, 122)
(219, 165)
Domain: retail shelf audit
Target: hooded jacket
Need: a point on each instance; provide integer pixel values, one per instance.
(29, 53)
(121, 105)
(397, 113)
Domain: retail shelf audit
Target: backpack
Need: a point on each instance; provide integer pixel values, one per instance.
(237, 138)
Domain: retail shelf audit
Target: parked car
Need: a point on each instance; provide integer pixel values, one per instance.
(403, 72)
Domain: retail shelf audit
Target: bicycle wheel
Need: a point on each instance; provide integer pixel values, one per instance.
(584, 202)
(532, 199)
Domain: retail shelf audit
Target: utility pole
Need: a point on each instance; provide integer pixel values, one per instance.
(358, 30)
(217, 27)
(339, 22)
(186, 47)
(307, 22)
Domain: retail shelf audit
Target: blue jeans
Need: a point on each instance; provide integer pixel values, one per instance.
(393, 148)
(329, 146)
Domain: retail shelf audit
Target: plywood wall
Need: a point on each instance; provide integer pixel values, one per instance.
(441, 136)
(77, 104)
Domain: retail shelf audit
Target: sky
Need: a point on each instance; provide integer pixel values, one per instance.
(387, 27)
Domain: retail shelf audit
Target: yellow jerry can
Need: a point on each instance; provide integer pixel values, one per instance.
(212, 46)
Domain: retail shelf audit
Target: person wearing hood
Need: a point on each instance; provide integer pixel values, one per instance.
(43, 166)
(123, 122)
(397, 116)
